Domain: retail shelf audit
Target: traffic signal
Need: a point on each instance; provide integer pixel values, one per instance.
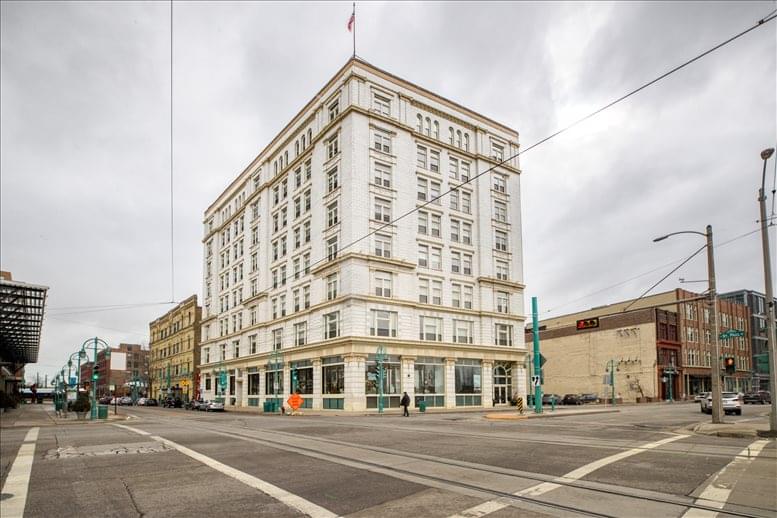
(587, 323)
(729, 364)
(96, 372)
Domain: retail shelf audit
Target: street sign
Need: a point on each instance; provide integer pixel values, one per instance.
(731, 333)
(542, 360)
(535, 380)
(670, 370)
(295, 401)
(72, 380)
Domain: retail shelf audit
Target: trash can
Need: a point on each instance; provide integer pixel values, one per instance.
(102, 411)
(422, 406)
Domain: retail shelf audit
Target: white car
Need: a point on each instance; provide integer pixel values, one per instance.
(732, 403)
(700, 396)
(211, 406)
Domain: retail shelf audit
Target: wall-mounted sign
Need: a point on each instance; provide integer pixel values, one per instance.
(587, 323)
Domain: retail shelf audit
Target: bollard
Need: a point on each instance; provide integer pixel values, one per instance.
(552, 404)
(519, 404)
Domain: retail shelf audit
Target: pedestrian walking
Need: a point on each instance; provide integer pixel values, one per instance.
(405, 402)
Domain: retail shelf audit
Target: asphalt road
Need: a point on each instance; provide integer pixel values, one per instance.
(638, 462)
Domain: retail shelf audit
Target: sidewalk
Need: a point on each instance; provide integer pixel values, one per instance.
(739, 429)
(560, 411)
(27, 416)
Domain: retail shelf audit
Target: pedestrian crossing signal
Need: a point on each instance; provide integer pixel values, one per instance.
(730, 365)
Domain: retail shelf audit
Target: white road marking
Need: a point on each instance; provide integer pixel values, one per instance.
(304, 506)
(18, 480)
(492, 506)
(718, 491)
(131, 429)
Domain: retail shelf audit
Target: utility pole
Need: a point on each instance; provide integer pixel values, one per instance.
(536, 353)
(712, 303)
(770, 337)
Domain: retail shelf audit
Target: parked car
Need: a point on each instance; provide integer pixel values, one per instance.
(151, 402)
(125, 401)
(731, 401)
(589, 398)
(211, 406)
(193, 404)
(700, 396)
(172, 402)
(114, 401)
(571, 399)
(105, 400)
(551, 399)
(761, 397)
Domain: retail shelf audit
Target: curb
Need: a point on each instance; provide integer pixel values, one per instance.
(734, 433)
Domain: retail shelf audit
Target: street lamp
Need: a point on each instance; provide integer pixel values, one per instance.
(770, 338)
(711, 299)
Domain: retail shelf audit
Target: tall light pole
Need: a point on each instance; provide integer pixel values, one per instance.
(770, 338)
(711, 303)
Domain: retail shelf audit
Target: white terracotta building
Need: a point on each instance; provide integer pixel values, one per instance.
(304, 279)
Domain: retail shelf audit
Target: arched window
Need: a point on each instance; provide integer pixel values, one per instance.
(420, 123)
(458, 138)
(451, 134)
(310, 136)
(436, 130)
(303, 143)
(275, 166)
(428, 127)
(285, 158)
(466, 142)
(296, 148)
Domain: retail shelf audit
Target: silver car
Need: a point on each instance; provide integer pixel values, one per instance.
(701, 396)
(211, 406)
(732, 403)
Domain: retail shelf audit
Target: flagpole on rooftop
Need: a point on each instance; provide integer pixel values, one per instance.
(353, 21)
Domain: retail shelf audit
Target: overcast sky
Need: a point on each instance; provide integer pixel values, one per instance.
(85, 151)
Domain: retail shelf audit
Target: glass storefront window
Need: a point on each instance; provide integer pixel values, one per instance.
(468, 374)
(253, 384)
(273, 382)
(333, 378)
(305, 380)
(392, 382)
(430, 382)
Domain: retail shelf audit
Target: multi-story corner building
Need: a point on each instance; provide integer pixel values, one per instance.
(175, 351)
(310, 274)
(696, 328)
(113, 379)
(759, 341)
(642, 346)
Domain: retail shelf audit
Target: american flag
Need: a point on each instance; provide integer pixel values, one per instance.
(351, 21)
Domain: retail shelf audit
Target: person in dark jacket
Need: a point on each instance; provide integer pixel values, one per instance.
(405, 402)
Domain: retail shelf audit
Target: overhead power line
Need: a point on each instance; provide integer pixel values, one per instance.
(620, 99)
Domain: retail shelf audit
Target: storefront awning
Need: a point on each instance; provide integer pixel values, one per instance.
(21, 318)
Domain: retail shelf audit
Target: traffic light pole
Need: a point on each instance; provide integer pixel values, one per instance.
(536, 353)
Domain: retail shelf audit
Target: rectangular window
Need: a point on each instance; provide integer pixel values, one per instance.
(436, 222)
(434, 161)
(382, 175)
(431, 329)
(334, 110)
(466, 202)
(300, 333)
(384, 323)
(331, 214)
(252, 344)
(333, 146)
(464, 171)
(382, 210)
(502, 271)
(423, 256)
(462, 331)
(331, 248)
(466, 264)
(423, 222)
(332, 379)
(466, 233)
(453, 168)
(497, 151)
(381, 104)
(277, 338)
(503, 334)
(500, 183)
(382, 284)
(381, 141)
(454, 199)
(430, 291)
(383, 245)
(306, 296)
(500, 240)
(332, 325)
(456, 262)
(455, 230)
(502, 302)
(500, 211)
(331, 287)
(421, 157)
(331, 180)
